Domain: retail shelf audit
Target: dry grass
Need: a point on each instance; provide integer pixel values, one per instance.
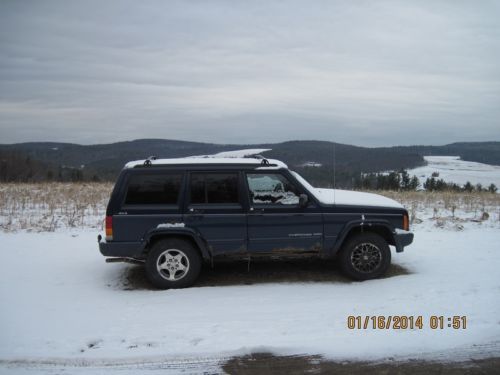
(50, 206)
(479, 207)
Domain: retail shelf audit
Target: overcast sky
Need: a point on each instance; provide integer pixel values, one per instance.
(359, 72)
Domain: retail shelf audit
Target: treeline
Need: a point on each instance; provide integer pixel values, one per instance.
(16, 167)
(19, 167)
(402, 181)
(433, 184)
(387, 181)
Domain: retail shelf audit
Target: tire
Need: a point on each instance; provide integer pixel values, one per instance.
(173, 263)
(365, 256)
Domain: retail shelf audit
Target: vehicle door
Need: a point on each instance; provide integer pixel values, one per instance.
(276, 221)
(215, 210)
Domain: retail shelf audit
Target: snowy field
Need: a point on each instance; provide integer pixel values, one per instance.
(63, 310)
(452, 169)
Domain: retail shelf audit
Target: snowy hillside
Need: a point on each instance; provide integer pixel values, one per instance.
(452, 169)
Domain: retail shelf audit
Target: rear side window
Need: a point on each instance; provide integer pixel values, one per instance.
(214, 188)
(154, 188)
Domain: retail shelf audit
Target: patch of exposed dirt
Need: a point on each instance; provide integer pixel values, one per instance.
(265, 363)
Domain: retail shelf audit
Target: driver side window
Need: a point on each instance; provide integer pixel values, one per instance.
(271, 188)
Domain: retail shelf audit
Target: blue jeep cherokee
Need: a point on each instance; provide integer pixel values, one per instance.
(174, 214)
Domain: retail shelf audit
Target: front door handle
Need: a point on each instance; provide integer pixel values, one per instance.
(256, 211)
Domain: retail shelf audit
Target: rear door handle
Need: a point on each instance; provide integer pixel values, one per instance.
(196, 211)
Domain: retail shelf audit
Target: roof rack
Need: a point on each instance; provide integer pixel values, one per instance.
(147, 162)
(152, 161)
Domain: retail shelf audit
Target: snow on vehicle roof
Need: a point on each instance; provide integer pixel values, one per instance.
(235, 153)
(209, 160)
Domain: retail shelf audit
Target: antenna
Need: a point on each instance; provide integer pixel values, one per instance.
(334, 165)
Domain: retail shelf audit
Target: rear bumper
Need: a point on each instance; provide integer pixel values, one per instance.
(119, 249)
(402, 238)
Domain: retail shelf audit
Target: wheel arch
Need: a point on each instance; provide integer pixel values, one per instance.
(185, 234)
(382, 228)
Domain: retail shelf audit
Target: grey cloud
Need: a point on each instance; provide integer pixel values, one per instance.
(370, 73)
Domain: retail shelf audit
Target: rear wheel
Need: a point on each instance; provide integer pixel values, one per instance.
(365, 256)
(173, 263)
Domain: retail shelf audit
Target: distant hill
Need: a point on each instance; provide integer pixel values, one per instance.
(313, 159)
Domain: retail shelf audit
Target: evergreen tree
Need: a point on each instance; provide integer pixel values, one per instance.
(468, 187)
(430, 184)
(405, 180)
(414, 183)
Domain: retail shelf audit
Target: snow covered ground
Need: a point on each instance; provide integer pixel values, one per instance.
(64, 308)
(452, 169)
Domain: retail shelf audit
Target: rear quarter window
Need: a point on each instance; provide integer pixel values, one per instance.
(153, 189)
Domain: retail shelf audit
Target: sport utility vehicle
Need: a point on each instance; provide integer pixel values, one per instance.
(174, 214)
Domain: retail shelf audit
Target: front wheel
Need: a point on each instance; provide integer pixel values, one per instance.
(173, 263)
(365, 256)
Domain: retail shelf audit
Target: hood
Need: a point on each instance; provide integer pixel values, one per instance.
(353, 198)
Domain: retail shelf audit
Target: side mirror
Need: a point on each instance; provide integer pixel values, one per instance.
(303, 200)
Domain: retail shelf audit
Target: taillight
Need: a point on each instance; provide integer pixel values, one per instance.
(109, 228)
(406, 222)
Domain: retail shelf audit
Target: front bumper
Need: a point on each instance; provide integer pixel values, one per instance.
(402, 238)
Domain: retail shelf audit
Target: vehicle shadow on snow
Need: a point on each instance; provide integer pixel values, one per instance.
(260, 271)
